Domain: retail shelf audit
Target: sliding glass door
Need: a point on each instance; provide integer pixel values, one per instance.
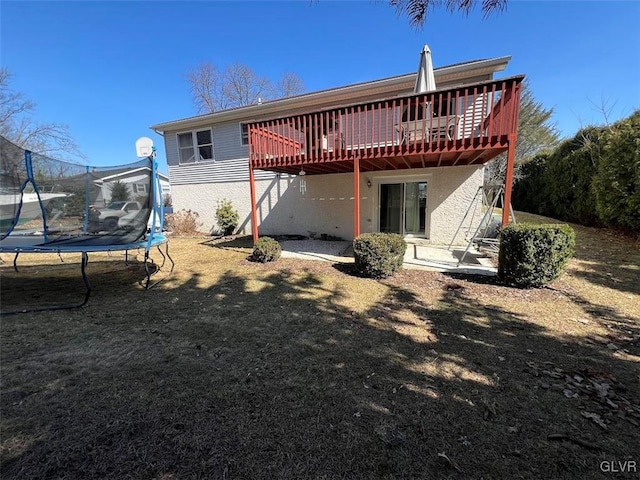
(403, 208)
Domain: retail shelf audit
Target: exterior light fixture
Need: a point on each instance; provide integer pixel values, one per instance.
(303, 183)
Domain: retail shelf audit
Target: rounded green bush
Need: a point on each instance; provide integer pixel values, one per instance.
(266, 249)
(534, 255)
(378, 255)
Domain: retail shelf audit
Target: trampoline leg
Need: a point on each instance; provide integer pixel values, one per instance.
(60, 257)
(85, 261)
(164, 259)
(83, 265)
(166, 252)
(15, 261)
(165, 256)
(146, 269)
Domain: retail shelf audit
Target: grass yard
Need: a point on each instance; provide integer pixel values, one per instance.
(298, 369)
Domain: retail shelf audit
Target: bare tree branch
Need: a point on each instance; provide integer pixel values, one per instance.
(18, 125)
(605, 107)
(206, 88)
(290, 84)
(236, 86)
(243, 87)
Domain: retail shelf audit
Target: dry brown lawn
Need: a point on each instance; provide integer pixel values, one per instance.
(297, 369)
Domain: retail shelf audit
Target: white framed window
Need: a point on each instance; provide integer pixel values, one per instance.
(244, 133)
(140, 188)
(196, 146)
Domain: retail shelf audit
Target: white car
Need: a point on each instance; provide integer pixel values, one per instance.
(136, 219)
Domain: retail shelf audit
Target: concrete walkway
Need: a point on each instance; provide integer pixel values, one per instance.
(417, 256)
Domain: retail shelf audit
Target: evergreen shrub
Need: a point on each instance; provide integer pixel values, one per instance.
(266, 249)
(534, 255)
(378, 255)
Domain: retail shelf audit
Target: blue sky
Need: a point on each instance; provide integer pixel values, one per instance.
(111, 69)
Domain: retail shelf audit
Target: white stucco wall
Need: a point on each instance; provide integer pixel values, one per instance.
(450, 192)
(327, 205)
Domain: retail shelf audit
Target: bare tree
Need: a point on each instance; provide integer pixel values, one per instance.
(18, 125)
(536, 133)
(206, 88)
(236, 86)
(418, 10)
(241, 86)
(289, 85)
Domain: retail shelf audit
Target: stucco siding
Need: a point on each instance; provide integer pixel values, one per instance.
(450, 192)
(203, 199)
(327, 205)
(454, 189)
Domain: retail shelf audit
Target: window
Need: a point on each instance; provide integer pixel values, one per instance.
(139, 188)
(244, 132)
(132, 207)
(195, 146)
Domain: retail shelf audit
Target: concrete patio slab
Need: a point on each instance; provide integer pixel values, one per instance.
(329, 251)
(440, 258)
(418, 256)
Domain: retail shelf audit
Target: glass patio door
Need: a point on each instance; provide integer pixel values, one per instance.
(391, 207)
(403, 208)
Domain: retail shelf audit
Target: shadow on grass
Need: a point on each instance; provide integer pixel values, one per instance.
(624, 330)
(60, 284)
(610, 259)
(271, 374)
(239, 242)
(618, 277)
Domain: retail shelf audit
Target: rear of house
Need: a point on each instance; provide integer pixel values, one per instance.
(417, 173)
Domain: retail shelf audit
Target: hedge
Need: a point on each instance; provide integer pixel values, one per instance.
(591, 179)
(617, 184)
(534, 255)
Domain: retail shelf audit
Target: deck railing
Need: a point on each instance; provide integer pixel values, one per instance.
(474, 116)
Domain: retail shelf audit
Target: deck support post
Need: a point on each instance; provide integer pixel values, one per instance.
(508, 179)
(356, 197)
(254, 214)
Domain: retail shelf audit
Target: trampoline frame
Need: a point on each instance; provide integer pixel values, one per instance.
(155, 238)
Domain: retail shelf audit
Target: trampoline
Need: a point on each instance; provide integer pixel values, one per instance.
(53, 206)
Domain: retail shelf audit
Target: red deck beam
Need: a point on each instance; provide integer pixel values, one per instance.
(356, 198)
(254, 213)
(508, 180)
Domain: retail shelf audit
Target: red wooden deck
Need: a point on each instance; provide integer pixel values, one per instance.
(471, 124)
(460, 126)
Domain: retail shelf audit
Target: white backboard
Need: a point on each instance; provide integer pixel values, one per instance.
(144, 147)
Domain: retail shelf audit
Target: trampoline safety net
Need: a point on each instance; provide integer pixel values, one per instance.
(50, 203)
